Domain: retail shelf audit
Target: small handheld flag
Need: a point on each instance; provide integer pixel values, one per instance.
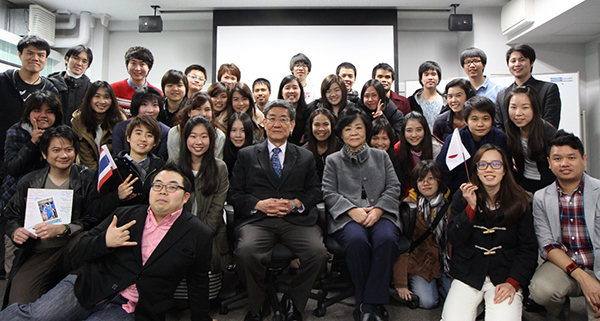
(457, 152)
(106, 165)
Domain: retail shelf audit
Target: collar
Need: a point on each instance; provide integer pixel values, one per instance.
(130, 83)
(578, 190)
(359, 154)
(166, 221)
(270, 146)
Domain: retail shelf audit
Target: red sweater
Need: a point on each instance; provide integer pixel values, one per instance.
(124, 92)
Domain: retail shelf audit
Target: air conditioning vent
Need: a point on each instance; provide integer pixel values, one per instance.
(516, 16)
(42, 23)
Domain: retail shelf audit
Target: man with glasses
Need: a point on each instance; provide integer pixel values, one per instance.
(473, 61)
(135, 259)
(300, 66)
(196, 76)
(72, 83)
(274, 189)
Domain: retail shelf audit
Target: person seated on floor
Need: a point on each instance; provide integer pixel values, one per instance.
(566, 216)
(423, 272)
(44, 257)
(361, 192)
(145, 101)
(274, 189)
(134, 261)
(131, 184)
(494, 252)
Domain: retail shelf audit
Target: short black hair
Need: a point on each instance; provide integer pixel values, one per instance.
(172, 167)
(141, 53)
(429, 65)
(144, 94)
(195, 67)
(39, 98)
(473, 52)
(464, 84)
(563, 138)
(345, 65)
(75, 51)
(173, 76)
(384, 66)
(420, 171)
(347, 116)
(481, 104)
(263, 81)
(146, 121)
(526, 50)
(300, 57)
(61, 131)
(33, 40)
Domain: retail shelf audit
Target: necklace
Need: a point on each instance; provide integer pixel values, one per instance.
(35, 82)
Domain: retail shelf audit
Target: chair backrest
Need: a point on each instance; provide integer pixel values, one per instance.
(408, 218)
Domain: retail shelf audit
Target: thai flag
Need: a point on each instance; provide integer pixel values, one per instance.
(106, 165)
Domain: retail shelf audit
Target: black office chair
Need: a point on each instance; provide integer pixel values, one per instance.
(344, 289)
(280, 260)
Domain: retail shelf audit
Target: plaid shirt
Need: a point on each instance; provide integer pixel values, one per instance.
(576, 241)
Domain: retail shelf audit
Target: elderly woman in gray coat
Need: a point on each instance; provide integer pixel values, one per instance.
(361, 192)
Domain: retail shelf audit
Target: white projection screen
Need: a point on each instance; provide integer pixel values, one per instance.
(262, 46)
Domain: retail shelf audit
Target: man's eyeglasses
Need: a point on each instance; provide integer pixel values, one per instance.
(196, 77)
(483, 165)
(472, 61)
(171, 188)
(282, 120)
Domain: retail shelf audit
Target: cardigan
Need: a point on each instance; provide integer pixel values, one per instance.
(342, 181)
(89, 152)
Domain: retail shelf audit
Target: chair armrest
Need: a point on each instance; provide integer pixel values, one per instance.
(229, 214)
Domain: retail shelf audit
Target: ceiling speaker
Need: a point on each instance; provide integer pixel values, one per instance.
(460, 22)
(150, 24)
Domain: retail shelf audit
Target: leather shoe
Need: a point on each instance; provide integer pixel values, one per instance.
(381, 313)
(364, 312)
(263, 313)
(290, 313)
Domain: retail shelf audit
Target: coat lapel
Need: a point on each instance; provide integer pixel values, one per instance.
(265, 162)
(137, 230)
(179, 228)
(291, 157)
(590, 200)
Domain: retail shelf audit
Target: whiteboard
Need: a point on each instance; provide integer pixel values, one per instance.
(265, 51)
(568, 86)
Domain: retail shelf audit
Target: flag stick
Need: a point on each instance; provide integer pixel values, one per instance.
(466, 167)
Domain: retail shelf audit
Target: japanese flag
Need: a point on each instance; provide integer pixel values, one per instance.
(457, 152)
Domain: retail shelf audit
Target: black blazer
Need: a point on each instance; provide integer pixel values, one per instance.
(517, 257)
(549, 98)
(184, 251)
(253, 179)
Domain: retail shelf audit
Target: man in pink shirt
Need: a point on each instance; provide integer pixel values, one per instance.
(135, 260)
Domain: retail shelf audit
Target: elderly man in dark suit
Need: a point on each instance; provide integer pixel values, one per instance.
(135, 260)
(274, 189)
(520, 59)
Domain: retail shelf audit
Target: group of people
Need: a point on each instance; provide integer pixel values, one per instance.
(153, 228)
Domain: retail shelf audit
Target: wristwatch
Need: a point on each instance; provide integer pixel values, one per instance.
(294, 207)
(572, 267)
(67, 231)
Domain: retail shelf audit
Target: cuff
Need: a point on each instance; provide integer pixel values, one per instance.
(514, 283)
(470, 213)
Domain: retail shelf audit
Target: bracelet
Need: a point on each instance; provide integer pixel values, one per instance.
(572, 267)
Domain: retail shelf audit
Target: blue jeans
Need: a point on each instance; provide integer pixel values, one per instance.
(429, 292)
(60, 303)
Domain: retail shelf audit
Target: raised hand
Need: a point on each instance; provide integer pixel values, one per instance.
(118, 236)
(37, 132)
(125, 190)
(468, 190)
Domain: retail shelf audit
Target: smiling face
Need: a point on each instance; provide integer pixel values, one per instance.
(355, 134)
(196, 80)
(237, 134)
(334, 94)
(428, 186)
(519, 66)
(349, 77)
(300, 70)
(175, 92)
(456, 98)
(381, 140)
(198, 142)
(520, 110)
(101, 101)
(204, 111)
(138, 70)
(150, 108)
(239, 102)
(164, 203)
(430, 79)
(321, 127)
(473, 67)
(78, 64)
(219, 101)
(414, 132)
(567, 164)
(291, 91)
(491, 178)
(371, 98)
(386, 78)
(229, 79)
(43, 116)
(261, 94)
(479, 123)
(33, 60)
(141, 141)
(60, 154)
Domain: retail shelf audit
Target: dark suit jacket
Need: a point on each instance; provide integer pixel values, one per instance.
(253, 179)
(184, 251)
(549, 98)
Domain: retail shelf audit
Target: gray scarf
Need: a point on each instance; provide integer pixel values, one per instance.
(429, 210)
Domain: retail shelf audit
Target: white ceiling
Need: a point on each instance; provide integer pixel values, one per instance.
(127, 10)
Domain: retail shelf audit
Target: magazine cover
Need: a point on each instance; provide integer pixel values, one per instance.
(48, 205)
